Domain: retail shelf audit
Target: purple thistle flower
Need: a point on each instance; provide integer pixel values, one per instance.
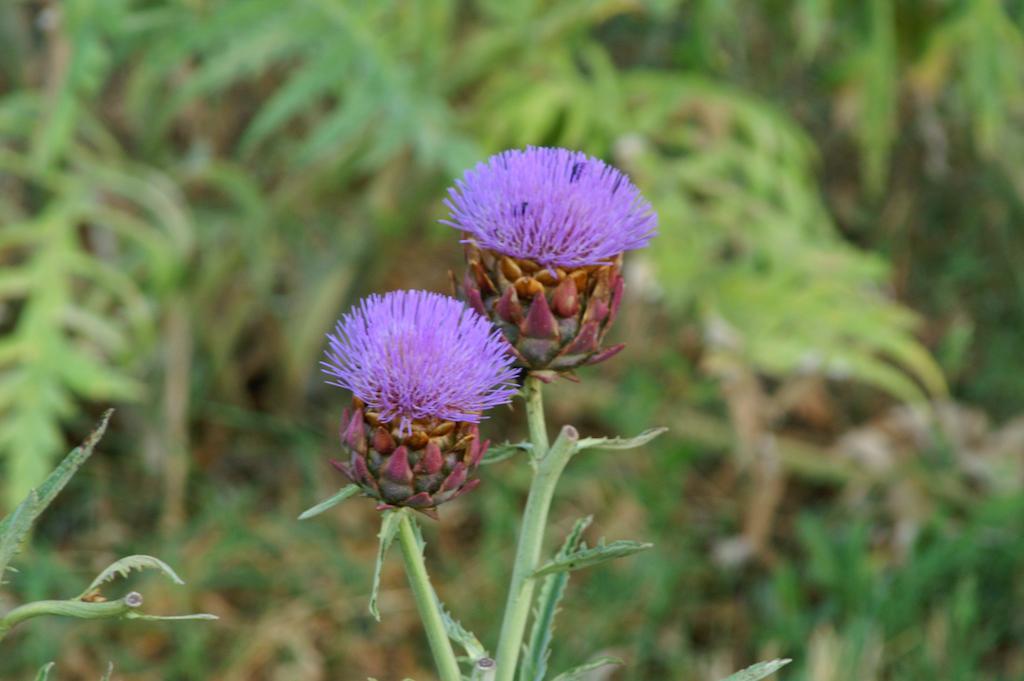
(557, 207)
(418, 355)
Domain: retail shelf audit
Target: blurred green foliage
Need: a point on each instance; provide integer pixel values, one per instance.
(192, 190)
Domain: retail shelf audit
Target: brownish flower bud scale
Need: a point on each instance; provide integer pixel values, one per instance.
(554, 318)
(429, 464)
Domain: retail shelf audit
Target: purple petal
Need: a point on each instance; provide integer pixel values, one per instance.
(419, 355)
(553, 206)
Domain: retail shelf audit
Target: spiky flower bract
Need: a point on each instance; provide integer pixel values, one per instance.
(417, 355)
(555, 207)
(422, 368)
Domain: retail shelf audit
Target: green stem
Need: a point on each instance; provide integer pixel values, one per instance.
(548, 467)
(426, 603)
(535, 416)
(79, 609)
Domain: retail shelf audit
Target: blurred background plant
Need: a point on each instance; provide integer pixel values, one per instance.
(92, 603)
(191, 191)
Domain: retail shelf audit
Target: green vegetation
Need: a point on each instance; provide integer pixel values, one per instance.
(191, 191)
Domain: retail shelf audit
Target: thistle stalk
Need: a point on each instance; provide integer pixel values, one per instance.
(426, 603)
(535, 416)
(548, 464)
(70, 608)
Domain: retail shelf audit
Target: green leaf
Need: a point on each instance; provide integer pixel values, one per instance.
(505, 450)
(877, 66)
(85, 317)
(16, 527)
(388, 529)
(459, 634)
(578, 672)
(124, 566)
(621, 442)
(758, 671)
(800, 299)
(56, 481)
(342, 494)
(201, 616)
(585, 557)
(538, 647)
(44, 671)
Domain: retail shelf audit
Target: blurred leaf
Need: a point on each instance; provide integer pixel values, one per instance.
(987, 47)
(83, 316)
(397, 98)
(762, 264)
(813, 21)
(758, 671)
(15, 528)
(876, 74)
(44, 671)
(580, 672)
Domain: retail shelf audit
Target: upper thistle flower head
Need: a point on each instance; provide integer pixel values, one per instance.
(556, 207)
(545, 230)
(422, 368)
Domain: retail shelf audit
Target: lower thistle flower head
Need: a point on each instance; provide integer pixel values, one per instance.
(422, 368)
(545, 230)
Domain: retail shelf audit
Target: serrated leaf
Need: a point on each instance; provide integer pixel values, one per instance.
(55, 482)
(621, 442)
(538, 647)
(388, 529)
(578, 672)
(44, 671)
(124, 566)
(586, 557)
(758, 671)
(459, 634)
(16, 527)
(327, 504)
(505, 450)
